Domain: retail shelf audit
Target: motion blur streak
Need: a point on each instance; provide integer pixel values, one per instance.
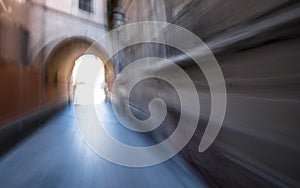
(256, 44)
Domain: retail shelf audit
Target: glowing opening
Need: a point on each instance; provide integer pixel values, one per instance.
(88, 79)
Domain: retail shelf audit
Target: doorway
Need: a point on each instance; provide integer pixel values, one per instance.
(88, 80)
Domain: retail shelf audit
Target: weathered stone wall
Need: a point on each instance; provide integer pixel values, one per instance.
(30, 32)
(256, 44)
(208, 17)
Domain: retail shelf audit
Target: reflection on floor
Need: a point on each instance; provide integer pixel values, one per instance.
(57, 156)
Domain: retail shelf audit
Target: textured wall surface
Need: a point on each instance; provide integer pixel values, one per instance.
(28, 42)
(256, 44)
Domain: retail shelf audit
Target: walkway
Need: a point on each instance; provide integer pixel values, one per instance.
(57, 156)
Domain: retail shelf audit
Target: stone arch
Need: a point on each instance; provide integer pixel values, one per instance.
(60, 63)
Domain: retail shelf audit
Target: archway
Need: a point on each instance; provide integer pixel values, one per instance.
(60, 64)
(88, 79)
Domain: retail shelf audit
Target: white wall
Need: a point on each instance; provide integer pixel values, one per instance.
(62, 20)
(72, 7)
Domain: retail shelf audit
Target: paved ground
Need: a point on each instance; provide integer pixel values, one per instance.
(57, 156)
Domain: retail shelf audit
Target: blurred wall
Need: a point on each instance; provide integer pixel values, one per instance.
(32, 33)
(257, 46)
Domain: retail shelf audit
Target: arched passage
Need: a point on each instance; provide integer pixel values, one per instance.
(88, 80)
(60, 64)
